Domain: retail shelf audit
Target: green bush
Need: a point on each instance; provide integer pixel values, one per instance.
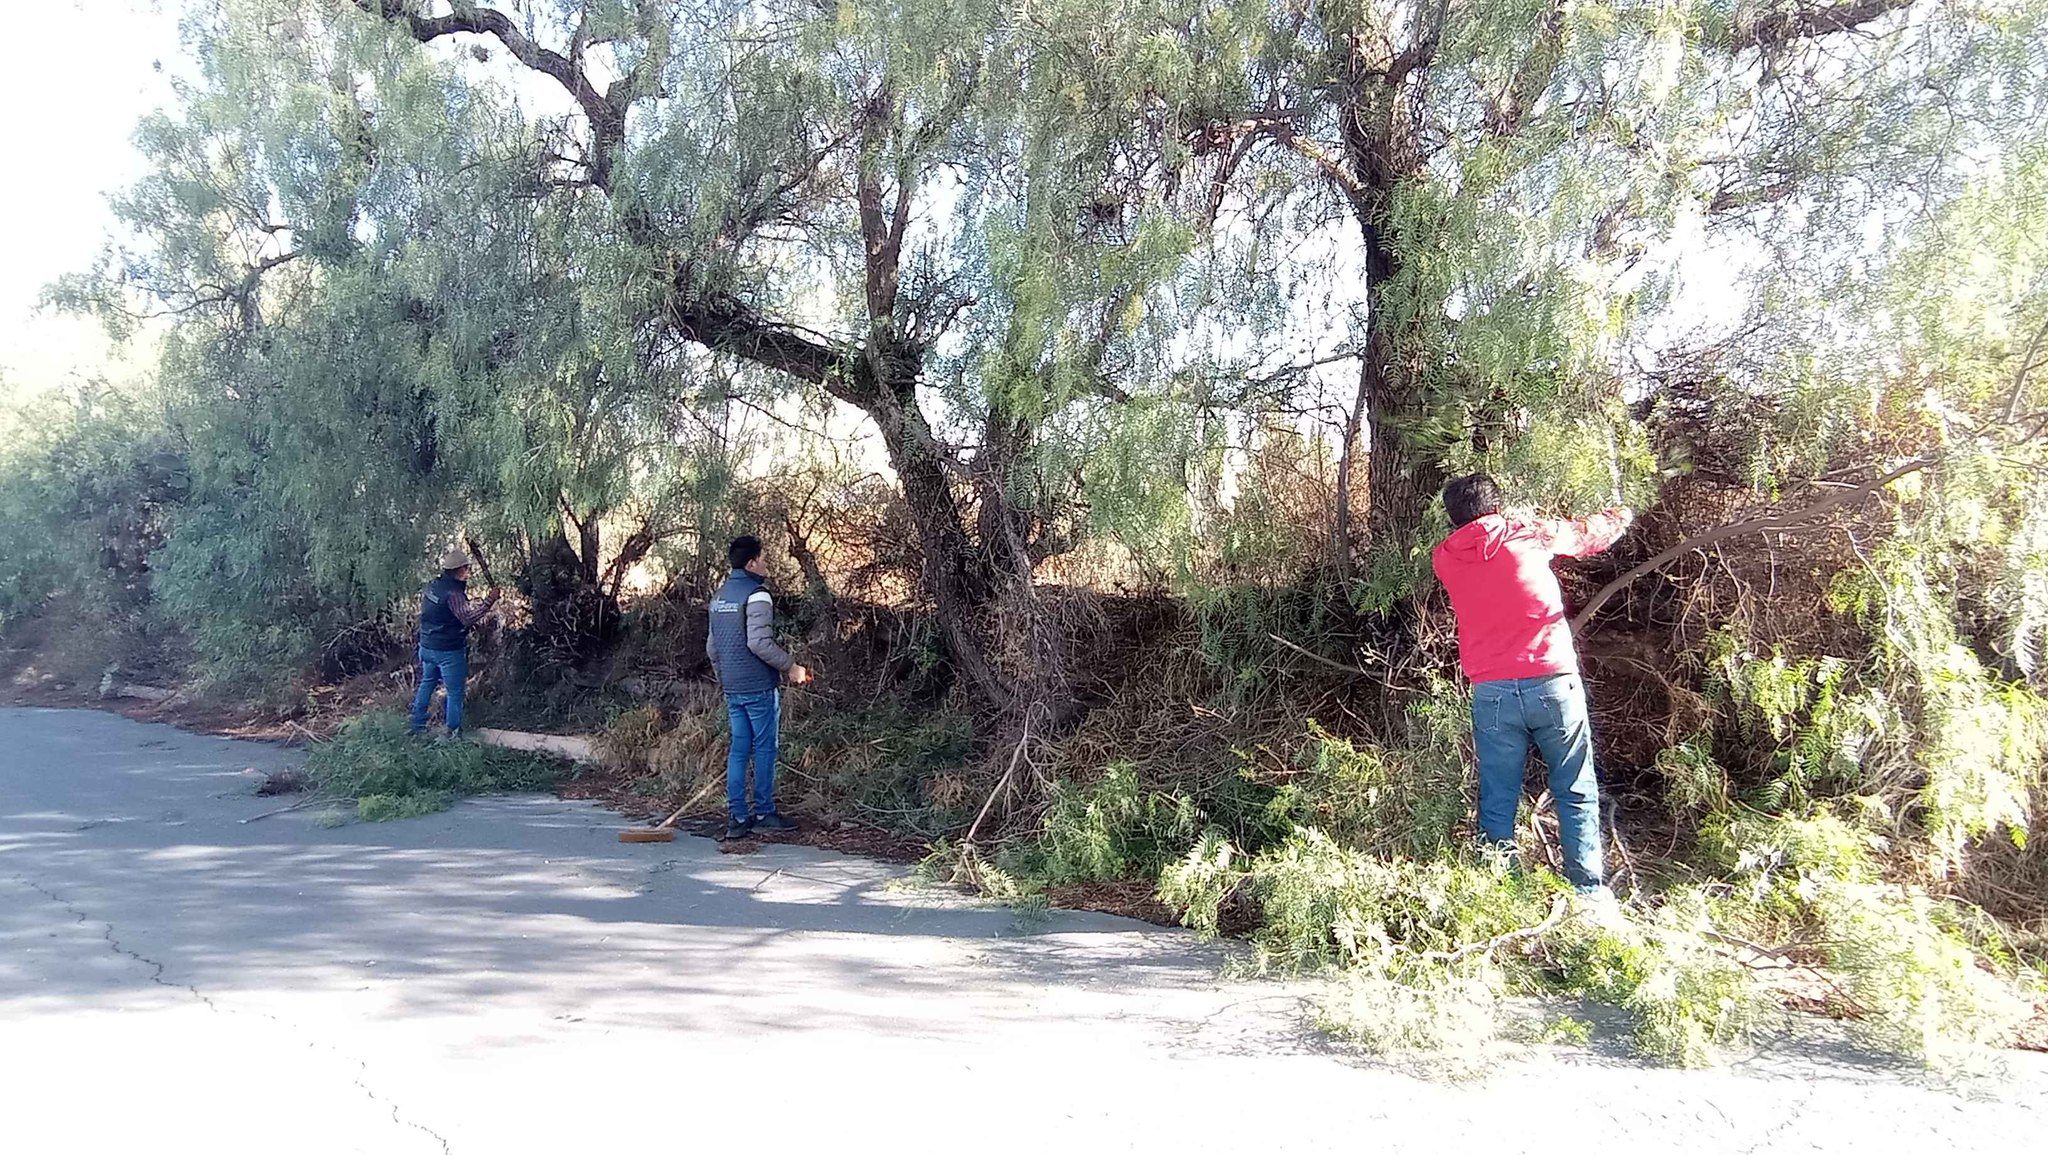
(85, 480)
(393, 774)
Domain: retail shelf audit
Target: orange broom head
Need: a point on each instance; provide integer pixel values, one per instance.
(648, 834)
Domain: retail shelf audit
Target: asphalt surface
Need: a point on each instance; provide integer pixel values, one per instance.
(508, 977)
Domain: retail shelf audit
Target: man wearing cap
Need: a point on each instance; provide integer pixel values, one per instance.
(446, 615)
(750, 668)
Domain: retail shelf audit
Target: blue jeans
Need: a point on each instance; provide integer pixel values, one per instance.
(1551, 712)
(755, 720)
(438, 667)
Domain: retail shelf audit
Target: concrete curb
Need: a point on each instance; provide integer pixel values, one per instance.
(570, 746)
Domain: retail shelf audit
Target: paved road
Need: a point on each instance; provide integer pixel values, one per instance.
(506, 977)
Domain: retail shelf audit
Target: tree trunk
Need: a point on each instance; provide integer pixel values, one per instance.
(1382, 153)
(1343, 539)
(1400, 481)
(955, 573)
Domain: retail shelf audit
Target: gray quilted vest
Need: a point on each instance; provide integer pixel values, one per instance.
(739, 671)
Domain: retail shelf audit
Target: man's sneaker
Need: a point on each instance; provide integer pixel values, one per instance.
(734, 831)
(773, 821)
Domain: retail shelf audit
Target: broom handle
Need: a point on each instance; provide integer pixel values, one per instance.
(694, 799)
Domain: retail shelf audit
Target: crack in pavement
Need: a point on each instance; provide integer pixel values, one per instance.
(1792, 1115)
(157, 970)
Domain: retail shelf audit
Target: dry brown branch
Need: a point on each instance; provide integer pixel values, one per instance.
(1333, 664)
(1775, 519)
(1003, 782)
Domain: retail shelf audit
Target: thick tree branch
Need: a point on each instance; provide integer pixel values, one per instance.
(1354, 191)
(1805, 21)
(1739, 198)
(1429, 35)
(607, 117)
(724, 325)
(881, 231)
(2019, 377)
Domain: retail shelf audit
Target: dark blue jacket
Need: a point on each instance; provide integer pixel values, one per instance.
(440, 628)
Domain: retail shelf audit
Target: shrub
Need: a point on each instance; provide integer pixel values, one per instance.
(628, 741)
(884, 763)
(86, 480)
(690, 757)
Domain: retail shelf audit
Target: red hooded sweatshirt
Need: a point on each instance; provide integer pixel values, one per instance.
(1511, 621)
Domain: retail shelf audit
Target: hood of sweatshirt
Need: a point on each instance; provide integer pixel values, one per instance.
(1478, 540)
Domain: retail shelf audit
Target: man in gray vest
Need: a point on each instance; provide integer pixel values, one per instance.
(750, 666)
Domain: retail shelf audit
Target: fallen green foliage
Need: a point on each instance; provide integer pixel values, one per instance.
(392, 774)
(1425, 950)
(387, 807)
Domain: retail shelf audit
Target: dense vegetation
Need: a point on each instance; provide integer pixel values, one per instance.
(1093, 372)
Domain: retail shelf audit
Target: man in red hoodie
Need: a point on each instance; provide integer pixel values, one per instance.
(1516, 646)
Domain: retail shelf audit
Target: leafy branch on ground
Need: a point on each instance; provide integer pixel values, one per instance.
(387, 773)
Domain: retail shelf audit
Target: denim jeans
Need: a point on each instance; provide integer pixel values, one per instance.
(439, 667)
(755, 719)
(1551, 712)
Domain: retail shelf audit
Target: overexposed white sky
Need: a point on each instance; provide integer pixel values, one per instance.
(80, 74)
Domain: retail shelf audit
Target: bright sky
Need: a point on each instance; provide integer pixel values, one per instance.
(81, 73)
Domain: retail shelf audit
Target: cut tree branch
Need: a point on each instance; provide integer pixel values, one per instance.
(1488, 946)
